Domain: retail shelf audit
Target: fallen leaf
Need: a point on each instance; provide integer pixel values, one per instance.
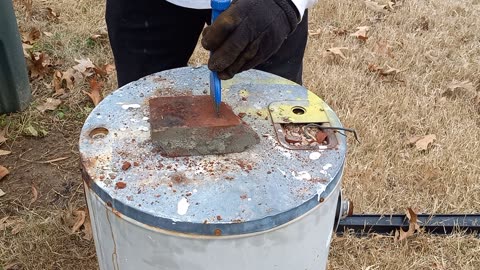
(4, 152)
(374, 6)
(104, 70)
(3, 172)
(65, 80)
(361, 33)
(39, 65)
(52, 15)
(314, 33)
(30, 130)
(34, 194)
(87, 229)
(79, 220)
(50, 105)
(2, 193)
(18, 227)
(340, 32)
(48, 34)
(423, 143)
(455, 87)
(2, 136)
(337, 51)
(28, 9)
(31, 36)
(411, 141)
(84, 66)
(384, 71)
(26, 48)
(412, 225)
(383, 48)
(94, 93)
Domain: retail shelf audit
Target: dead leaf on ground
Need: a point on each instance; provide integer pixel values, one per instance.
(84, 66)
(384, 71)
(87, 229)
(95, 91)
(34, 194)
(312, 33)
(2, 193)
(3, 172)
(374, 6)
(26, 49)
(2, 136)
(50, 105)
(48, 34)
(4, 152)
(39, 65)
(18, 227)
(32, 36)
(104, 70)
(412, 226)
(361, 33)
(383, 48)
(340, 31)
(52, 15)
(455, 87)
(30, 130)
(79, 216)
(337, 51)
(28, 9)
(422, 143)
(65, 80)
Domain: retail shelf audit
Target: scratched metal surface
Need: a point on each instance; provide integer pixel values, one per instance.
(252, 191)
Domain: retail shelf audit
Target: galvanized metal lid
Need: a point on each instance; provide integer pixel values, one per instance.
(264, 187)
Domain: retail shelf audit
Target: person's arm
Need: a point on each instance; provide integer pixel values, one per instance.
(249, 32)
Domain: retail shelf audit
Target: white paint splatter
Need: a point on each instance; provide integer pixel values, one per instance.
(327, 166)
(249, 199)
(132, 106)
(143, 128)
(315, 155)
(182, 206)
(303, 175)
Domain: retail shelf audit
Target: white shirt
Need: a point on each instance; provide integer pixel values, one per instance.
(205, 4)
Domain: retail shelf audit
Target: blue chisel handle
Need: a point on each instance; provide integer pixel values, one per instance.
(218, 6)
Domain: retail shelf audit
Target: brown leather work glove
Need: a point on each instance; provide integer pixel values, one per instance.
(247, 34)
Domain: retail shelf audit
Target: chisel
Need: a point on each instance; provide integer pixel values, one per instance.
(218, 6)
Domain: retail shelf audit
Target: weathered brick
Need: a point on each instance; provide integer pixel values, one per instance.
(188, 126)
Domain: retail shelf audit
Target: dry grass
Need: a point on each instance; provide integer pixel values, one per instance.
(432, 42)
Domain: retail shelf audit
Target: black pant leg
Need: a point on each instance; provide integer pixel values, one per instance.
(149, 36)
(287, 62)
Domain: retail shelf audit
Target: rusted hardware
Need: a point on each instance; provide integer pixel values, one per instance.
(322, 127)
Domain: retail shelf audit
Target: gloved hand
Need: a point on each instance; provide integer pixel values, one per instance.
(247, 34)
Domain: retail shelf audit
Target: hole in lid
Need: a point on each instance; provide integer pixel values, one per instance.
(298, 110)
(98, 133)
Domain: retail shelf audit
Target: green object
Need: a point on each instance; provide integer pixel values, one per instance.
(15, 91)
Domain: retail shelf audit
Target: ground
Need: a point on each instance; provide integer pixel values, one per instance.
(413, 73)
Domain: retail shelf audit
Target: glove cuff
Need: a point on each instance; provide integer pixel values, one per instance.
(291, 11)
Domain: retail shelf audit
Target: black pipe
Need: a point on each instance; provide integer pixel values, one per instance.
(361, 225)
